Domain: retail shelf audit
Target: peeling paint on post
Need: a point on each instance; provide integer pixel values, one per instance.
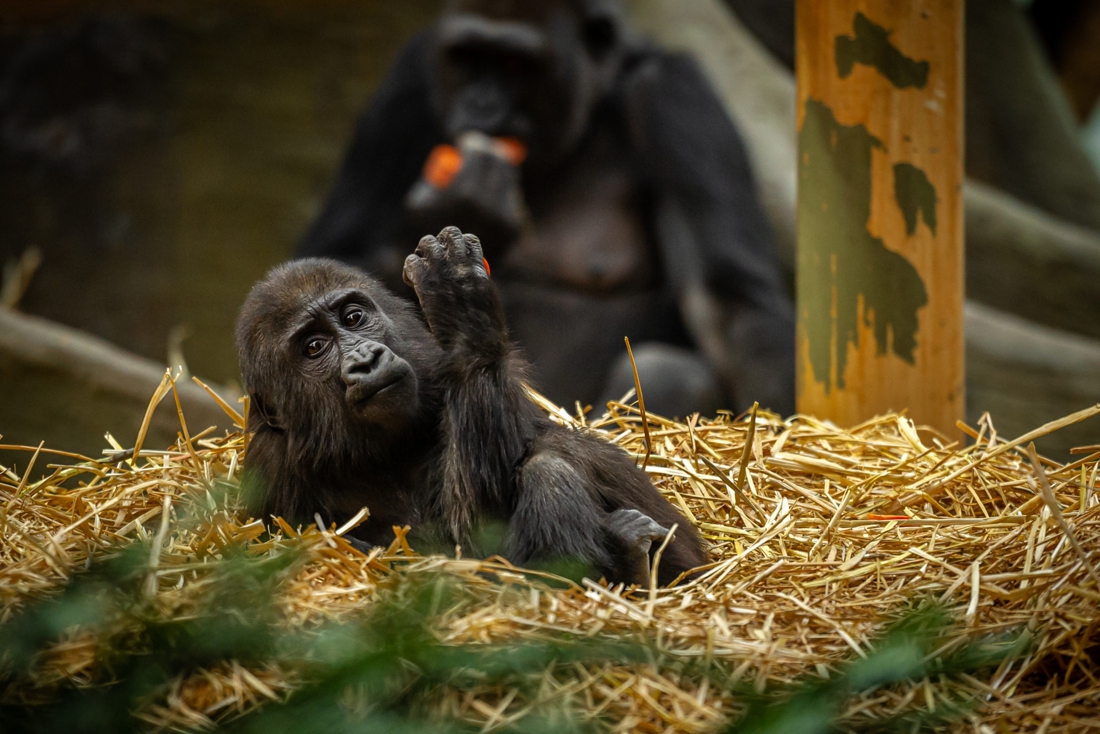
(880, 238)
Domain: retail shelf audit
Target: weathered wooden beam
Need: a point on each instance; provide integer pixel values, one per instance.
(1019, 258)
(1025, 375)
(1022, 371)
(1027, 262)
(880, 215)
(67, 388)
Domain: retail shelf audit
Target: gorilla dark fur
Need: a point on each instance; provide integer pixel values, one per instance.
(355, 402)
(634, 212)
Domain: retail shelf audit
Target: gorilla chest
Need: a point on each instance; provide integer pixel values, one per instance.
(587, 234)
(586, 274)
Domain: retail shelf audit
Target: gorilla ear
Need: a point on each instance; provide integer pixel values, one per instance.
(265, 414)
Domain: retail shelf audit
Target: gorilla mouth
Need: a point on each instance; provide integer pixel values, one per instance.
(363, 391)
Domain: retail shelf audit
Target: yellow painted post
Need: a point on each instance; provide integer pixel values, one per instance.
(880, 217)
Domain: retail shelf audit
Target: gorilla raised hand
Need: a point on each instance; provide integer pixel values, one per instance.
(357, 403)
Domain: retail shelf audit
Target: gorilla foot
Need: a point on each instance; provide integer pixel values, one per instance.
(634, 532)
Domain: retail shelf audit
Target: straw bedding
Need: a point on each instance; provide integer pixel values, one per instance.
(816, 535)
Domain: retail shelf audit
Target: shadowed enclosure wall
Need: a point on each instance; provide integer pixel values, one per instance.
(163, 156)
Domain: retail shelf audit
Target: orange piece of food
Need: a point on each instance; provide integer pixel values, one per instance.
(486, 263)
(513, 149)
(443, 164)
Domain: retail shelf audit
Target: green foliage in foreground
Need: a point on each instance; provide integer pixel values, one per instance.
(901, 655)
(383, 671)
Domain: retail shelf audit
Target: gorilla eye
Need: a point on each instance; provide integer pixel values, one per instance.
(314, 347)
(353, 317)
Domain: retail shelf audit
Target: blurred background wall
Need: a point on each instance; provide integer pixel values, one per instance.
(160, 157)
(164, 156)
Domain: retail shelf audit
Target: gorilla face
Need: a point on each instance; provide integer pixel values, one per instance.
(333, 362)
(530, 69)
(344, 334)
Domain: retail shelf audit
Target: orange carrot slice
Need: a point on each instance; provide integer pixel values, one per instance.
(514, 150)
(443, 164)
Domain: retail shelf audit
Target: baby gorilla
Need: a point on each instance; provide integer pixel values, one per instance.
(355, 403)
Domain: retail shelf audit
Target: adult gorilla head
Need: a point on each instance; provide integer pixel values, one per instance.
(529, 69)
(635, 211)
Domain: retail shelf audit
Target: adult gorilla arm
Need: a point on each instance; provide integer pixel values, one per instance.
(713, 235)
(363, 219)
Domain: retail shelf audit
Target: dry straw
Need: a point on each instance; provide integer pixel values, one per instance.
(817, 535)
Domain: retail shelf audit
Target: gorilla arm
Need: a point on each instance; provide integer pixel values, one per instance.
(712, 231)
(488, 422)
(503, 459)
(362, 219)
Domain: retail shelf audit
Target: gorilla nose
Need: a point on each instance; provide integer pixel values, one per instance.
(361, 362)
(369, 369)
(481, 106)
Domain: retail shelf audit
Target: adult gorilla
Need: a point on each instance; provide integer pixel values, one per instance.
(611, 192)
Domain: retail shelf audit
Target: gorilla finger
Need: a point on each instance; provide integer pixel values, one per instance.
(636, 525)
(473, 249)
(651, 531)
(453, 243)
(658, 532)
(629, 516)
(413, 270)
(429, 248)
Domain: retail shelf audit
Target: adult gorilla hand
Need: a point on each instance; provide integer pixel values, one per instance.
(477, 186)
